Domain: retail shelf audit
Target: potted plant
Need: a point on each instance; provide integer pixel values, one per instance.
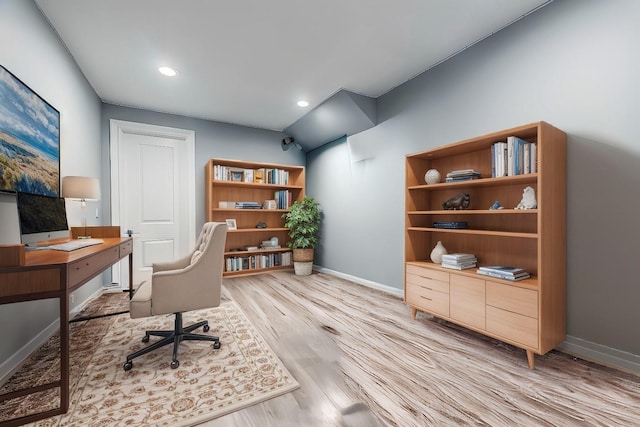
(303, 222)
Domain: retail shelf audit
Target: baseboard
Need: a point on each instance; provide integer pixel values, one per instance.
(15, 361)
(375, 285)
(601, 354)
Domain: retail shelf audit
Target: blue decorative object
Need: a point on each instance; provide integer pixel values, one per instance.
(496, 205)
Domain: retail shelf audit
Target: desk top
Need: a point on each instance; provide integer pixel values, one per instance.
(41, 257)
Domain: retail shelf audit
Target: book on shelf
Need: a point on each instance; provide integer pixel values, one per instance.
(503, 276)
(284, 199)
(248, 205)
(458, 256)
(504, 272)
(504, 269)
(451, 224)
(462, 175)
(532, 158)
(520, 156)
(258, 176)
(458, 266)
(500, 159)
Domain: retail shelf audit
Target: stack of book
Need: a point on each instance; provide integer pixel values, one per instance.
(459, 261)
(462, 175)
(450, 224)
(248, 205)
(504, 272)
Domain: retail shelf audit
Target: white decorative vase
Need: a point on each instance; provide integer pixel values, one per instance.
(432, 176)
(437, 252)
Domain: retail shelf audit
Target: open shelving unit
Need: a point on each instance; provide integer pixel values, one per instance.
(247, 234)
(529, 314)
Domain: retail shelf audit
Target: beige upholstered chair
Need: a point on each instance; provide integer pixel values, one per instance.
(190, 283)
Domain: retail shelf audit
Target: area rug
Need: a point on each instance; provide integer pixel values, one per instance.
(208, 383)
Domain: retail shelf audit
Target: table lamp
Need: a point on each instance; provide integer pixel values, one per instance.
(81, 188)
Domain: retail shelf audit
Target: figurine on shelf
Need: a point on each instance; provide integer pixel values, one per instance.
(528, 199)
(496, 205)
(459, 201)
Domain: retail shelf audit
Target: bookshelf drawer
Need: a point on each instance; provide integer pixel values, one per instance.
(513, 326)
(513, 299)
(427, 299)
(428, 273)
(426, 283)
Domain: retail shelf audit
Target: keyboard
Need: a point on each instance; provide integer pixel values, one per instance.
(72, 245)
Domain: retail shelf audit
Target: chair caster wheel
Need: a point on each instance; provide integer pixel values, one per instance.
(206, 328)
(128, 365)
(145, 338)
(174, 364)
(216, 345)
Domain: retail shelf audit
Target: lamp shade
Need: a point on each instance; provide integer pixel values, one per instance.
(80, 188)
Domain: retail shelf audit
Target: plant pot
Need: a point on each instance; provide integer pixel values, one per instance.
(302, 261)
(303, 255)
(302, 268)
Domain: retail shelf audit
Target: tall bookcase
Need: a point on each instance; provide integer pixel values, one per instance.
(529, 314)
(228, 182)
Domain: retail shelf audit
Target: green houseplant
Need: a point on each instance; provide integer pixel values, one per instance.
(303, 222)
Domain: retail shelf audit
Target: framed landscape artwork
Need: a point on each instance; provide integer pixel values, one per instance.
(29, 139)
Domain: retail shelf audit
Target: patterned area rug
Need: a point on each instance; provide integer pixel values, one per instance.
(208, 383)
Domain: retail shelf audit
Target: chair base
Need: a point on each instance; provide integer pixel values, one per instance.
(178, 334)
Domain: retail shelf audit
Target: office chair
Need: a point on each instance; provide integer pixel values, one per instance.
(190, 283)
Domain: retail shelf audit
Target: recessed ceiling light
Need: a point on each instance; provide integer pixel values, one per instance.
(167, 71)
(303, 104)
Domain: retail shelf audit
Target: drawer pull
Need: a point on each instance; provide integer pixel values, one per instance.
(423, 297)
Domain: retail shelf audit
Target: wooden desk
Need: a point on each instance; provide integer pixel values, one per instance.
(54, 274)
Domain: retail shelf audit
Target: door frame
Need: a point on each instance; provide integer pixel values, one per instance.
(118, 128)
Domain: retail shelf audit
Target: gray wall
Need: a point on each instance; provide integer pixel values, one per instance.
(32, 52)
(574, 64)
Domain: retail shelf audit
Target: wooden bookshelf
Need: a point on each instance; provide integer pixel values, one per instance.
(237, 183)
(529, 314)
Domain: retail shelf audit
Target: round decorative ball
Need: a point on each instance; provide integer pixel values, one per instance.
(432, 176)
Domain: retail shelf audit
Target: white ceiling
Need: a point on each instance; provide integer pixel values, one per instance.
(247, 62)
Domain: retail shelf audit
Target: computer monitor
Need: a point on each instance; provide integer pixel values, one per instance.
(41, 218)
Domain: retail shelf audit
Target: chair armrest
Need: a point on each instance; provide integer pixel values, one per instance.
(178, 264)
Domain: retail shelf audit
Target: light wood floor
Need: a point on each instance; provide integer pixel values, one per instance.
(362, 361)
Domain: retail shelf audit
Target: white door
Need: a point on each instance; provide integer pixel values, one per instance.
(152, 194)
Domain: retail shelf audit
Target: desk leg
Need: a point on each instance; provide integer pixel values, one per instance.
(64, 351)
(131, 275)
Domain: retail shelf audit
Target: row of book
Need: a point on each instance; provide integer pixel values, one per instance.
(284, 199)
(464, 261)
(515, 156)
(258, 261)
(257, 176)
